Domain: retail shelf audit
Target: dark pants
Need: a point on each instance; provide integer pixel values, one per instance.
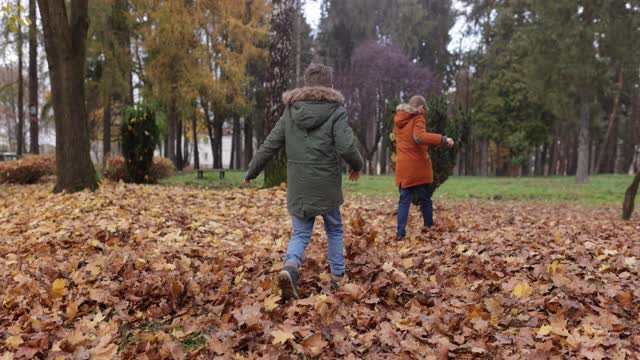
(423, 195)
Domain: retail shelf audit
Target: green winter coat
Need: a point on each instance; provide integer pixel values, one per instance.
(316, 133)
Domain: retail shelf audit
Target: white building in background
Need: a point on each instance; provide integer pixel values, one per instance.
(205, 154)
(46, 140)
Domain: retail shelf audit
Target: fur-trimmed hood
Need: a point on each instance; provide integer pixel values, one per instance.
(311, 107)
(404, 114)
(313, 93)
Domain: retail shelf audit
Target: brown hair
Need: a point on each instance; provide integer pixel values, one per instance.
(418, 101)
(318, 75)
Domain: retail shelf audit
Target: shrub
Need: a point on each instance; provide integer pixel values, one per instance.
(443, 158)
(161, 168)
(27, 170)
(139, 138)
(116, 169)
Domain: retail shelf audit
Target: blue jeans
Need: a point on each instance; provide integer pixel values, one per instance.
(302, 230)
(423, 193)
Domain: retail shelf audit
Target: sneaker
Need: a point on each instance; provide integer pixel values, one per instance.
(337, 281)
(288, 282)
(399, 238)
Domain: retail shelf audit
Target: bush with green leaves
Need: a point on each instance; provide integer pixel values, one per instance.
(443, 158)
(139, 139)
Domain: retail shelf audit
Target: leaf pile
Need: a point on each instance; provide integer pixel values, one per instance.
(157, 272)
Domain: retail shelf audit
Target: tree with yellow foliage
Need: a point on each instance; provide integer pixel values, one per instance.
(198, 50)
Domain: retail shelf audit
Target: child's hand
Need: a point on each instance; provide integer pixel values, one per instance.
(354, 175)
(450, 142)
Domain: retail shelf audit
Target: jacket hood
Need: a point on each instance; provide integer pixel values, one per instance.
(404, 114)
(311, 107)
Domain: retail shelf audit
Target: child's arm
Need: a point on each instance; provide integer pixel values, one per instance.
(422, 137)
(273, 143)
(345, 144)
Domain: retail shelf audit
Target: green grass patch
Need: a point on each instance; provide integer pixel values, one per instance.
(194, 341)
(211, 180)
(600, 190)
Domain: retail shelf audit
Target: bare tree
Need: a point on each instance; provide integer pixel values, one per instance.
(630, 197)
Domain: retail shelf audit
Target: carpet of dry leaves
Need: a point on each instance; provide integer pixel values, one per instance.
(151, 272)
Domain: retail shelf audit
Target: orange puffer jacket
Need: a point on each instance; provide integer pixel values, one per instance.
(413, 164)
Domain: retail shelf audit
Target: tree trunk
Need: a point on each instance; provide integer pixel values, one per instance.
(179, 158)
(171, 132)
(106, 129)
(185, 147)
(237, 148)
(279, 50)
(210, 130)
(248, 142)
(196, 155)
(298, 42)
(573, 158)
(630, 197)
(65, 43)
(582, 170)
(605, 155)
(20, 130)
(370, 166)
(124, 58)
(484, 158)
(234, 143)
(211, 142)
(240, 154)
(106, 120)
(632, 126)
(217, 137)
(34, 146)
(383, 154)
(553, 157)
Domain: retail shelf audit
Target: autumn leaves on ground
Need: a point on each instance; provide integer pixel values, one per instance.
(169, 272)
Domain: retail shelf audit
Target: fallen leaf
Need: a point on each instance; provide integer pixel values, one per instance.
(280, 337)
(522, 290)
(104, 350)
(72, 311)
(604, 267)
(13, 342)
(353, 291)
(58, 287)
(544, 330)
(271, 302)
(314, 344)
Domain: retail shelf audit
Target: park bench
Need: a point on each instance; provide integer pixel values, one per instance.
(202, 171)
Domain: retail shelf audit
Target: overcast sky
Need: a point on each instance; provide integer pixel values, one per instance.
(312, 13)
